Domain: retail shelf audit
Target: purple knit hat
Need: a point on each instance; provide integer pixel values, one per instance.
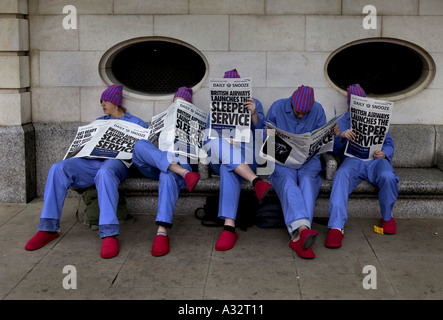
(113, 95)
(184, 93)
(355, 90)
(303, 99)
(231, 74)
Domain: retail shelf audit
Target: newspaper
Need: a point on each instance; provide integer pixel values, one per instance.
(114, 139)
(370, 120)
(229, 118)
(294, 150)
(183, 129)
(157, 125)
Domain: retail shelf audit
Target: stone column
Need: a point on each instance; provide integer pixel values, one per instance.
(17, 147)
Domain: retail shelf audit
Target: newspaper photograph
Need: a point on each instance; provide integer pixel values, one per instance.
(293, 150)
(183, 129)
(370, 120)
(114, 139)
(229, 118)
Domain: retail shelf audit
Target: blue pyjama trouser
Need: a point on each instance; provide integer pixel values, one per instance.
(351, 172)
(224, 158)
(297, 190)
(154, 163)
(106, 174)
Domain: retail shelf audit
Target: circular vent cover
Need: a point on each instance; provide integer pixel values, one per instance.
(153, 67)
(384, 67)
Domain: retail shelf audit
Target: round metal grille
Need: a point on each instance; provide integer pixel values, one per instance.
(381, 68)
(158, 67)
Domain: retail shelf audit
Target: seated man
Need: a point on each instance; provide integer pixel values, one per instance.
(352, 171)
(174, 173)
(298, 189)
(235, 161)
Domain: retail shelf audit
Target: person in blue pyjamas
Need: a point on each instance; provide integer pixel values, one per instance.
(352, 171)
(173, 172)
(106, 174)
(298, 189)
(235, 161)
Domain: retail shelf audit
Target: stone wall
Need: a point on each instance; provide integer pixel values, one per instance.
(281, 44)
(17, 147)
(49, 74)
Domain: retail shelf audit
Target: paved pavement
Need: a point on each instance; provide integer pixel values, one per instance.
(261, 266)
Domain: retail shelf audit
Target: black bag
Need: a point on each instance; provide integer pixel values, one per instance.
(246, 211)
(208, 214)
(270, 214)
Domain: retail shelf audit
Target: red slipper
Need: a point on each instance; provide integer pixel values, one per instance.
(297, 246)
(303, 245)
(389, 227)
(160, 247)
(226, 241)
(262, 188)
(40, 239)
(109, 248)
(191, 179)
(334, 238)
(307, 237)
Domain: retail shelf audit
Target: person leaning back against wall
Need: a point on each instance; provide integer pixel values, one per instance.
(106, 174)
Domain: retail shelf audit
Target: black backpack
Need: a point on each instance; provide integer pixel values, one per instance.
(270, 214)
(246, 211)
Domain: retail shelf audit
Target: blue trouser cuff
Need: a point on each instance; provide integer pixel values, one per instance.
(108, 230)
(50, 225)
(163, 224)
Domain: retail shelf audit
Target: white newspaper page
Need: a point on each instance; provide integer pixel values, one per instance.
(157, 125)
(113, 139)
(229, 118)
(183, 129)
(294, 150)
(83, 136)
(370, 120)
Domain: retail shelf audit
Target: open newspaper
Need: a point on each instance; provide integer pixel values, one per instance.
(157, 124)
(229, 118)
(113, 139)
(293, 150)
(370, 120)
(182, 128)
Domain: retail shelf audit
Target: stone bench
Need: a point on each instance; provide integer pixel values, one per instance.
(418, 162)
(417, 149)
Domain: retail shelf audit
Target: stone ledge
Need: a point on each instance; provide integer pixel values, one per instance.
(420, 195)
(420, 182)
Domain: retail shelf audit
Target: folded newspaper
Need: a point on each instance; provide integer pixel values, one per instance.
(229, 118)
(113, 139)
(370, 120)
(294, 150)
(182, 128)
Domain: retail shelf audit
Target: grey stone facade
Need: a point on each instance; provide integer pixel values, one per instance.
(49, 74)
